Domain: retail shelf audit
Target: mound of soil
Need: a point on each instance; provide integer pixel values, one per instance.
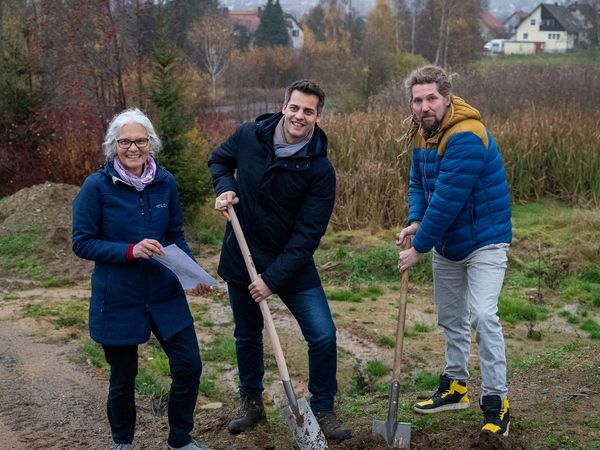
(45, 210)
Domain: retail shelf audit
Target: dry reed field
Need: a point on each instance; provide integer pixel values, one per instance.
(544, 120)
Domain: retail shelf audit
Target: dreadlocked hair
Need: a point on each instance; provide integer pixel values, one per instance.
(406, 140)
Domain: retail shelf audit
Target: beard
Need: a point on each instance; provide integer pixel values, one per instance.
(429, 129)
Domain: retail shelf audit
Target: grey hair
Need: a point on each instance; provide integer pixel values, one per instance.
(131, 115)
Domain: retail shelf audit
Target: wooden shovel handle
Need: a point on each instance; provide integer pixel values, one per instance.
(264, 307)
(401, 320)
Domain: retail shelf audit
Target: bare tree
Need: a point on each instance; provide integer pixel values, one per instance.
(446, 9)
(212, 35)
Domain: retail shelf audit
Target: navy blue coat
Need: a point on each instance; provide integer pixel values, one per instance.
(458, 188)
(108, 215)
(285, 205)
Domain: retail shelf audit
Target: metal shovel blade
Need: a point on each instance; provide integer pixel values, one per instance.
(396, 434)
(305, 427)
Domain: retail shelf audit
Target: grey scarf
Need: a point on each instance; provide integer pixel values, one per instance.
(282, 148)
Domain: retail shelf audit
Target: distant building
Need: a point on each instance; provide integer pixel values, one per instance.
(512, 22)
(490, 27)
(246, 21)
(550, 28)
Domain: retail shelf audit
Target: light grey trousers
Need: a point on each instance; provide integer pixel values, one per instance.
(466, 295)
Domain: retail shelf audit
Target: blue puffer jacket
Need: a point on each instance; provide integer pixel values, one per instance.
(108, 215)
(458, 188)
(284, 209)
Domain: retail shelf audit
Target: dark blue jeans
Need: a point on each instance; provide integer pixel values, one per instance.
(311, 310)
(186, 368)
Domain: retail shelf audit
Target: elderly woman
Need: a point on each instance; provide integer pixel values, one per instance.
(125, 213)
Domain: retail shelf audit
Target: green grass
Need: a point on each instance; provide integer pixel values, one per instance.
(591, 327)
(376, 369)
(221, 349)
(343, 296)
(572, 319)
(16, 253)
(207, 384)
(585, 289)
(73, 313)
(157, 361)
(387, 341)
(515, 309)
(149, 384)
(551, 359)
(423, 381)
(94, 354)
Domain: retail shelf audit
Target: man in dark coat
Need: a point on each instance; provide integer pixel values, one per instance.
(286, 189)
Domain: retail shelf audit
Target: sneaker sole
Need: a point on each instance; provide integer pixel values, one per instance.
(449, 407)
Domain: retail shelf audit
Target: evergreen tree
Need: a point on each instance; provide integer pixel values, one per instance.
(179, 154)
(272, 31)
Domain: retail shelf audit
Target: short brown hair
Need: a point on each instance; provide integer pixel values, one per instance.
(306, 87)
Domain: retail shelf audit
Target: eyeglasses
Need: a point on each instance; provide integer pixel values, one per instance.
(139, 143)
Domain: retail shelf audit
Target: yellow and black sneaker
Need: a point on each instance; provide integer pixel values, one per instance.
(496, 417)
(451, 394)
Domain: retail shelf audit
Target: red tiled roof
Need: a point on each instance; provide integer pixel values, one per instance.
(490, 21)
(246, 17)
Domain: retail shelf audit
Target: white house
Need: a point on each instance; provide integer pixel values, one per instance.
(294, 30)
(552, 29)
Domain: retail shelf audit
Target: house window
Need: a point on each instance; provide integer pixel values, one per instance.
(295, 33)
(532, 22)
(554, 36)
(525, 35)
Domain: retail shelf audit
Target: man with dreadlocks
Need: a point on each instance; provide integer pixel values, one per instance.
(459, 205)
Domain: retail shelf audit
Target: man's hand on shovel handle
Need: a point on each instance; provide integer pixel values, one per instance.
(259, 290)
(225, 200)
(408, 258)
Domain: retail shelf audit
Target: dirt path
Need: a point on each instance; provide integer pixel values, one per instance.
(49, 401)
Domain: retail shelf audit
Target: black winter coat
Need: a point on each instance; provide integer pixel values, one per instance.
(285, 205)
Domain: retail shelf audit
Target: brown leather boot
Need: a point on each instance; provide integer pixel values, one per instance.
(250, 414)
(333, 429)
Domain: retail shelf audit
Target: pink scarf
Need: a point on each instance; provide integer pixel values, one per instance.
(139, 183)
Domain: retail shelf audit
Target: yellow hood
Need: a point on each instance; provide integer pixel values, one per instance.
(460, 117)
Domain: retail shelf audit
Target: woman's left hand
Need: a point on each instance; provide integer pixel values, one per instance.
(201, 289)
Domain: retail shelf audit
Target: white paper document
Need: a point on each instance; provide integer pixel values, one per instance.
(186, 269)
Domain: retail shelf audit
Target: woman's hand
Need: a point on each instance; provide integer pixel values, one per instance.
(147, 248)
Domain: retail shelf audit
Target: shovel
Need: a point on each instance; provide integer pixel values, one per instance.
(396, 434)
(297, 414)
